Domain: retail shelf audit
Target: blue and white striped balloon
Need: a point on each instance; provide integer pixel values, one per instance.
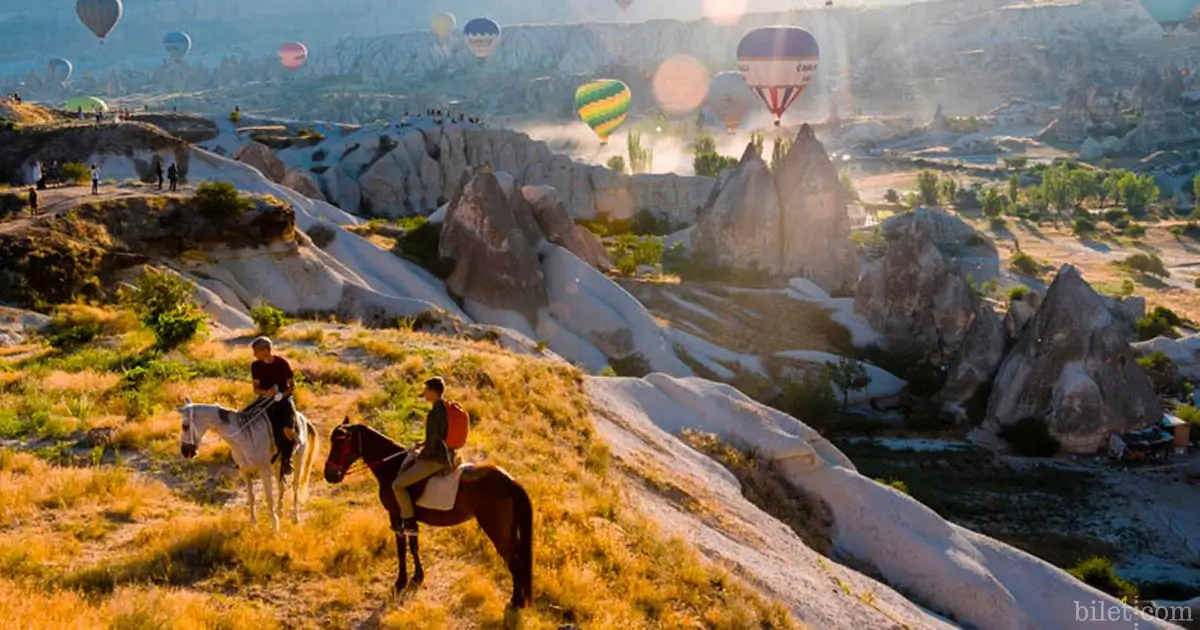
(778, 62)
(177, 44)
(59, 70)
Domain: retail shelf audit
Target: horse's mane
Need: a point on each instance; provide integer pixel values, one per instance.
(387, 440)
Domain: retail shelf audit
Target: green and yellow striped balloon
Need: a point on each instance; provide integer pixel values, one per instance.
(603, 105)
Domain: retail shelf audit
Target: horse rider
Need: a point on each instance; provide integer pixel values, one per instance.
(273, 379)
(433, 458)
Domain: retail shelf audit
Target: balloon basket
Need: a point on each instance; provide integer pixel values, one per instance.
(776, 123)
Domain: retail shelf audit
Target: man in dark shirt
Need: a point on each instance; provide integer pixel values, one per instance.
(273, 379)
(158, 173)
(434, 457)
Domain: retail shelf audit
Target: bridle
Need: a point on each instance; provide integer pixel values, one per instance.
(341, 467)
(191, 439)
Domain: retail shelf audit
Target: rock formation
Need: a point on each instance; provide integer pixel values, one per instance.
(791, 222)
(1073, 368)
(496, 265)
(262, 158)
(557, 227)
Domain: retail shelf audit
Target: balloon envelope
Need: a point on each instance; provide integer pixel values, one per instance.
(88, 104)
(442, 25)
(1170, 12)
(483, 35)
(59, 70)
(99, 16)
(603, 105)
(293, 55)
(729, 98)
(177, 44)
(778, 62)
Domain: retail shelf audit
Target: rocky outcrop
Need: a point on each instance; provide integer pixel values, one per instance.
(496, 266)
(558, 228)
(1019, 314)
(340, 189)
(262, 158)
(741, 227)
(302, 183)
(1073, 368)
(1184, 353)
(791, 222)
(951, 234)
(974, 365)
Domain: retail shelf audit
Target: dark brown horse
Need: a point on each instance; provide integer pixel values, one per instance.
(486, 493)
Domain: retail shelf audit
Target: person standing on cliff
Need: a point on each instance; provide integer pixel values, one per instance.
(95, 180)
(158, 172)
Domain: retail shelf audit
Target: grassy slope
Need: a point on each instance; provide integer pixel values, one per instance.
(137, 538)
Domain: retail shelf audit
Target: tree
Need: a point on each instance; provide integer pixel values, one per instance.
(927, 188)
(163, 302)
(1014, 188)
(1084, 184)
(891, 196)
(848, 187)
(848, 375)
(1137, 191)
(616, 163)
(757, 138)
(992, 202)
(948, 190)
(220, 201)
(640, 159)
(705, 159)
(1112, 184)
(779, 150)
(1016, 163)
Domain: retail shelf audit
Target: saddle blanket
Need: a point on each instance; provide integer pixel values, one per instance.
(441, 490)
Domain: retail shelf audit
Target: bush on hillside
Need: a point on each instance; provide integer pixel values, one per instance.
(1148, 264)
(705, 159)
(11, 204)
(616, 163)
(322, 235)
(649, 223)
(268, 319)
(220, 201)
(421, 245)
(76, 172)
(163, 302)
(1031, 437)
(1099, 574)
(1190, 415)
(634, 365)
(1017, 293)
(1025, 264)
(1083, 226)
(1135, 230)
(811, 399)
(1159, 322)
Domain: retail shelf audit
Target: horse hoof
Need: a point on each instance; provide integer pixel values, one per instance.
(399, 589)
(418, 579)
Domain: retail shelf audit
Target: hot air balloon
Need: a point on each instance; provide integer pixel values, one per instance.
(59, 70)
(100, 16)
(87, 104)
(442, 25)
(483, 35)
(1169, 13)
(624, 4)
(177, 44)
(293, 55)
(729, 99)
(603, 105)
(777, 63)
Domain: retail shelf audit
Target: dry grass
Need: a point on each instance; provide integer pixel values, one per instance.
(105, 546)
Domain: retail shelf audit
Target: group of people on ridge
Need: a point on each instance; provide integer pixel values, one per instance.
(275, 384)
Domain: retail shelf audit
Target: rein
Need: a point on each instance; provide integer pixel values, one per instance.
(341, 467)
(191, 431)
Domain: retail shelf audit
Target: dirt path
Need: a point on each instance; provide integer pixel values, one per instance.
(54, 201)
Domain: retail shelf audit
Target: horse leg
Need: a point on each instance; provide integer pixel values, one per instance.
(250, 499)
(418, 572)
(298, 469)
(269, 490)
(498, 525)
(402, 571)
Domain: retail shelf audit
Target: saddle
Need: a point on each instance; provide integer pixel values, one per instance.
(441, 490)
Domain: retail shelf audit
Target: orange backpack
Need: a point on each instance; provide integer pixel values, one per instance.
(459, 425)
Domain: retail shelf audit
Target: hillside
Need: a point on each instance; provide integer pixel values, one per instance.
(96, 502)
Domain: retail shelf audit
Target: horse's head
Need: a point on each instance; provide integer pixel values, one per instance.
(345, 448)
(195, 421)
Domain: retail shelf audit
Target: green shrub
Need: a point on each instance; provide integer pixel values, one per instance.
(891, 196)
(616, 163)
(705, 159)
(626, 265)
(1150, 327)
(895, 484)
(1135, 230)
(1017, 293)
(1025, 264)
(811, 399)
(322, 235)
(1082, 226)
(1190, 415)
(1148, 264)
(70, 337)
(75, 172)
(997, 223)
(220, 201)
(1190, 230)
(647, 223)
(1099, 574)
(1031, 437)
(634, 365)
(267, 318)
(163, 303)
(421, 245)
(1155, 361)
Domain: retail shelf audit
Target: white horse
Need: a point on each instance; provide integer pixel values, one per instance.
(249, 439)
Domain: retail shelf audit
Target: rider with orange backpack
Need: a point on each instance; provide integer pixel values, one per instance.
(446, 428)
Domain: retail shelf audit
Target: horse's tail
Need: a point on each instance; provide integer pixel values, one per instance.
(310, 453)
(523, 524)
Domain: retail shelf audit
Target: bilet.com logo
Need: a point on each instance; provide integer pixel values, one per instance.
(1100, 611)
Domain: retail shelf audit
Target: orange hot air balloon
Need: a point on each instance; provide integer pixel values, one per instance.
(293, 55)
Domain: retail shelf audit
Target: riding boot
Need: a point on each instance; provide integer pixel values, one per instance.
(286, 448)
